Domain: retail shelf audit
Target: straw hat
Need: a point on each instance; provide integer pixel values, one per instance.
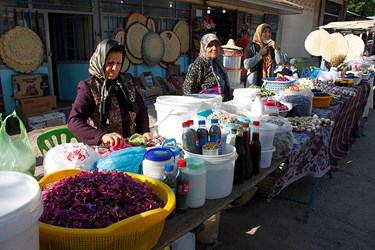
(182, 31)
(21, 49)
(134, 36)
(231, 45)
(152, 48)
(313, 41)
(172, 46)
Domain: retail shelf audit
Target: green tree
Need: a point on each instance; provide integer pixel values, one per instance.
(362, 7)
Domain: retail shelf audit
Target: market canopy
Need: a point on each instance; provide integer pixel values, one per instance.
(363, 25)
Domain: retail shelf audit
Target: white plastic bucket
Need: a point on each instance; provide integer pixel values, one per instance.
(245, 96)
(154, 161)
(267, 132)
(234, 77)
(266, 157)
(232, 61)
(172, 110)
(20, 209)
(220, 171)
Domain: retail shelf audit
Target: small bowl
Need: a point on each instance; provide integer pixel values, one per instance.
(210, 152)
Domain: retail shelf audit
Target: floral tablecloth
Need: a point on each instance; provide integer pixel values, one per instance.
(314, 153)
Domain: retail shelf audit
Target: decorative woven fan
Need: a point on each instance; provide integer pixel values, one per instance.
(136, 17)
(356, 46)
(21, 49)
(119, 35)
(134, 36)
(334, 49)
(182, 31)
(314, 40)
(126, 64)
(151, 25)
(172, 46)
(152, 48)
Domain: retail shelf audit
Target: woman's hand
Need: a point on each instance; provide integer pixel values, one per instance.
(263, 51)
(113, 139)
(148, 136)
(271, 43)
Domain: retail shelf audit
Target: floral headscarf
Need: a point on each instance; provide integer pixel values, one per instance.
(267, 58)
(206, 39)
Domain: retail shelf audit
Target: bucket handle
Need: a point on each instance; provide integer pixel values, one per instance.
(160, 149)
(157, 123)
(168, 141)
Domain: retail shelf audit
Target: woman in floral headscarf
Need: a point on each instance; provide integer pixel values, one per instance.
(206, 74)
(260, 56)
(108, 108)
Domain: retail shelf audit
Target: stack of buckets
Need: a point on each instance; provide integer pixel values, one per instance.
(232, 64)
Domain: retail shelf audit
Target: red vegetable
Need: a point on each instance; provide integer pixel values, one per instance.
(96, 200)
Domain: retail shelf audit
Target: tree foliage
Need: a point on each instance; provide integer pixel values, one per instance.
(362, 7)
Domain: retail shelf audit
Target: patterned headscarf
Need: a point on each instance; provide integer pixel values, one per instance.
(97, 68)
(206, 39)
(267, 58)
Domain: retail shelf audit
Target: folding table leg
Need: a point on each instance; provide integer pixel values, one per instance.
(315, 189)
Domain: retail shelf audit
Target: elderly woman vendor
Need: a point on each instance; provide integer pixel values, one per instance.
(206, 74)
(108, 108)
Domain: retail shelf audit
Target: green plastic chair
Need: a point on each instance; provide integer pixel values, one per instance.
(53, 137)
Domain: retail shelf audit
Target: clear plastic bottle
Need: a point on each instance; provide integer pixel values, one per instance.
(246, 145)
(231, 138)
(188, 139)
(202, 134)
(182, 188)
(240, 163)
(255, 147)
(257, 108)
(215, 134)
(169, 178)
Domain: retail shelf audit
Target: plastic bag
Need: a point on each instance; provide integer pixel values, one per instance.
(70, 156)
(16, 152)
(124, 160)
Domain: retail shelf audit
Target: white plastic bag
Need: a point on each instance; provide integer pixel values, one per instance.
(69, 156)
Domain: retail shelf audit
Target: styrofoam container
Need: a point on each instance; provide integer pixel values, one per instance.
(266, 157)
(267, 132)
(220, 171)
(154, 161)
(20, 209)
(172, 110)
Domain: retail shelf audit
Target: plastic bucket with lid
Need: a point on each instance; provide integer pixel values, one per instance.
(267, 132)
(266, 157)
(20, 209)
(220, 171)
(172, 110)
(154, 162)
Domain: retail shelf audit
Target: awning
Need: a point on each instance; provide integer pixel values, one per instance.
(259, 7)
(363, 25)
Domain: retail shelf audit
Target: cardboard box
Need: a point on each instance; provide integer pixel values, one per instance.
(149, 84)
(46, 120)
(37, 105)
(27, 86)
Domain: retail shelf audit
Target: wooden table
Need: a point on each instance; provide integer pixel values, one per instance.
(180, 224)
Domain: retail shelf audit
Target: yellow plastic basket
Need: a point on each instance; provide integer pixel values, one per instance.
(322, 101)
(141, 231)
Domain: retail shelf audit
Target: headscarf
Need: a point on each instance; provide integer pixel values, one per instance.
(267, 58)
(97, 68)
(206, 39)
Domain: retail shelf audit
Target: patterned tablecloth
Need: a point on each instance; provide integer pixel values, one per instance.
(314, 153)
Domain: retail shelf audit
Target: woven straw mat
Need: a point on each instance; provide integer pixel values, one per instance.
(152, 48)
(182, 31)
(151, 25)
(21, 49)
(334, 45)
(136, 17)
(314, 40)
(134, 35)
(172, 46)
(356, 46)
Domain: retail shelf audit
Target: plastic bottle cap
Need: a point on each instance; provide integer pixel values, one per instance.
(256, 123)
(245, 124)
(185, 124)
(202, 122)
(194, 163)
(214, 120)
(181, 163)
(169, 166)
(269, 103)
(190, 122)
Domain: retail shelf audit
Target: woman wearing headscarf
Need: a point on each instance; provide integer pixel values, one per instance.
(206, 74)
(108, 107)
(260, 56)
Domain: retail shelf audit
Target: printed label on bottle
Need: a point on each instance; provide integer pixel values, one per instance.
(203, 141)
(217, 140)
(183, 188)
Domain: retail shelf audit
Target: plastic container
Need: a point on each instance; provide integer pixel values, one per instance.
(232, 61)
(245, 96)
(210, 152)
(234, 77)
(172, 110)
(220, 171)
(20, 209)
(172, 145)
(139, 232)
(322, 101)
(154, 161)
(266, 157)
(275, 86)
(267, 132)
(270, 106)
(197, 178)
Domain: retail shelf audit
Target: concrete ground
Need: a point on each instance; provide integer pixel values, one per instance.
(342, 217)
